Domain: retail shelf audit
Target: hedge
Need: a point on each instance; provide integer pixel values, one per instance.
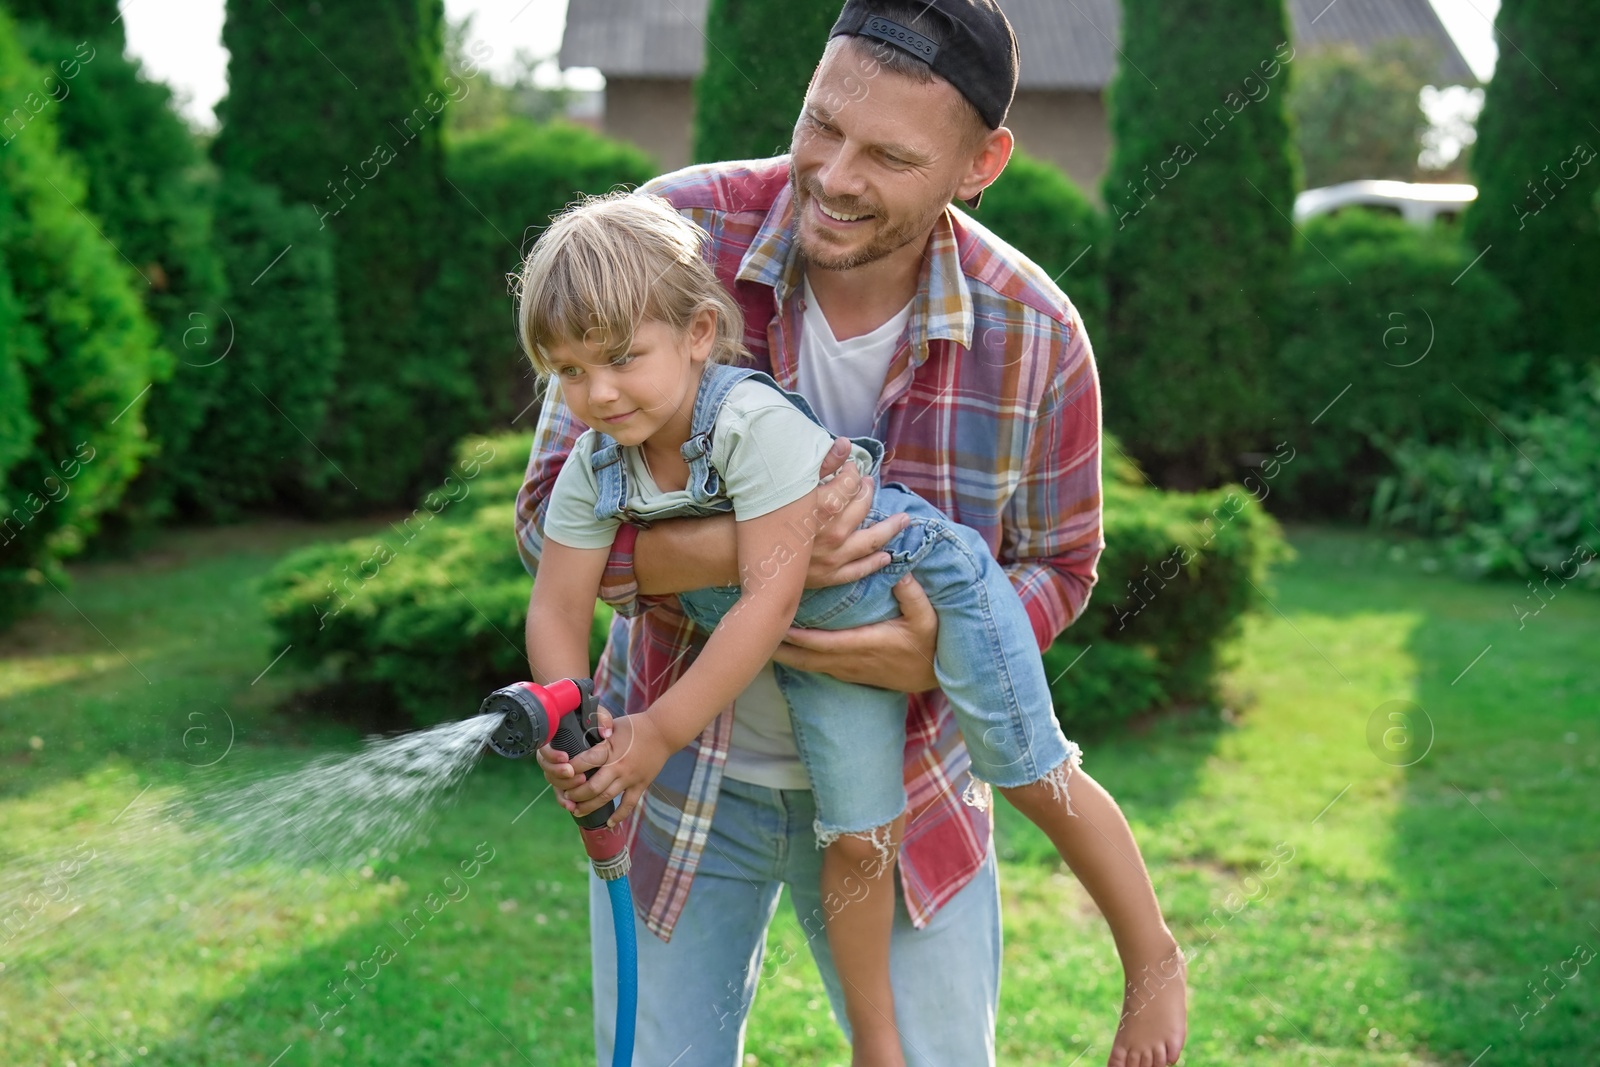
(95, 20)
(436, 622)
(426, 614)
(1399, 315)
(1198, 191)
(79, 354)
(273, 350)
(1179, 572)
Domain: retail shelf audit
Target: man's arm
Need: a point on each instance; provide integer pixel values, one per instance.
(678, 555)
(1051, 539)
(1051, 532)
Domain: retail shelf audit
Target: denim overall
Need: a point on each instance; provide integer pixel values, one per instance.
(851, 738)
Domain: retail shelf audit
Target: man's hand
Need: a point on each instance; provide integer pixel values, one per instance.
(627, 761)
(840, 552)
(894, 654)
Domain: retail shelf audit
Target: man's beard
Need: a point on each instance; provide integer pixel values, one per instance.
(888, 240)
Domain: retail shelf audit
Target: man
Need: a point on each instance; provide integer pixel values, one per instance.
(900, 318)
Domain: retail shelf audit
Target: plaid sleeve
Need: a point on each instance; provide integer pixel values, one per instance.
(1052, 535)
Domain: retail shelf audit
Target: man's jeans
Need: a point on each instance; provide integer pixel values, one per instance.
(695, 991)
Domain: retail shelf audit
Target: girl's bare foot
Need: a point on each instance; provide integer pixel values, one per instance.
(1155, 1013)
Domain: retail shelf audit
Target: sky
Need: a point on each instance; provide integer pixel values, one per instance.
(180, 41)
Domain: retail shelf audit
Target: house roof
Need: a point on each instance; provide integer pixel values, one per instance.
(1065, 44)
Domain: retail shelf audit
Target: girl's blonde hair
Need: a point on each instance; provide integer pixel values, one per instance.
(608, 263)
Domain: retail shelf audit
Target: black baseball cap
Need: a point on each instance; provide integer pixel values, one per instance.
(968, 43)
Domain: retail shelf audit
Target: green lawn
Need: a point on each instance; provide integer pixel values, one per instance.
(1342, 908)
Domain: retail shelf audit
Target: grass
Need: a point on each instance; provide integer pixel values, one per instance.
(1342, 908)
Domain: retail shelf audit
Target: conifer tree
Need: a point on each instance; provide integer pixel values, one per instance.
(1199, 192)
(759, 59)
(340, 106)
(1537, 167)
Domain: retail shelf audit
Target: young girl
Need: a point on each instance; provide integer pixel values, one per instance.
(619, 308)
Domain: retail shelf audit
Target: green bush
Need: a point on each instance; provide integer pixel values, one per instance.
(758, 61)
(1537, 216)
(507, 182)
(78, 353)
(427, 614)
(1527, 509)
(1393, 312)
(439, 621)
(1036, 208)
(147, 191)
(1196, 561)
(1198, 192)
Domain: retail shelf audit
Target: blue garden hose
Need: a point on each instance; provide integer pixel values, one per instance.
(564, 714)
(627, 971)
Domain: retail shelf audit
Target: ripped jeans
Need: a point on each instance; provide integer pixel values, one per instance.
(851, 738)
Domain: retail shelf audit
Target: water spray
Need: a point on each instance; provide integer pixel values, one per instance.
(565, 715)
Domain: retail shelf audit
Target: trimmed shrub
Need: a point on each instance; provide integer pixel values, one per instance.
(1537, 216)
(1036, 208)
(1199, 192)
(1392, 312)
(148, 194)
(758, 62)
(79, 353)
(507, 181)
(338, 106)
(428, 613)
(1178, 574)
(439, 623)
(1526, 510)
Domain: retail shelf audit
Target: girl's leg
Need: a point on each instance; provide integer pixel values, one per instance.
(989, 667)
(850, 740)
(1093, 837)
(858, 899)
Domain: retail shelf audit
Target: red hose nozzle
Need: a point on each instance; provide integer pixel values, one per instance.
(531, 714)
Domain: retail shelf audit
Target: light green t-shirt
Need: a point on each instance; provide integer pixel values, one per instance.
(766, 449)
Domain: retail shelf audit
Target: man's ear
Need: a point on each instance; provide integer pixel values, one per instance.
(988, 160)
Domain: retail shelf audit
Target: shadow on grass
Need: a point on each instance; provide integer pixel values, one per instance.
(1493, 847)
(164, 663)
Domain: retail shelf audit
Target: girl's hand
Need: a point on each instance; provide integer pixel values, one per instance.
(630, 757)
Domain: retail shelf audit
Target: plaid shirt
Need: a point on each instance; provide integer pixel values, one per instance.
(990, 411)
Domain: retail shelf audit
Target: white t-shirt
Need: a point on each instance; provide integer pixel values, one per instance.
(842, 380)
